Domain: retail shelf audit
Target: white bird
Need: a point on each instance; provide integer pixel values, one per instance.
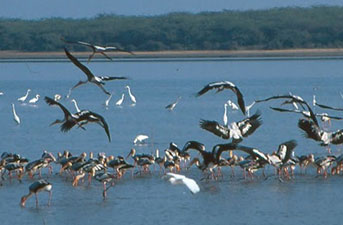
(232, 105)
(35, 99)
(108, 100)
(140, 138)
(171, 106)
(181, 179)
(57, 97)
(120, 101)
(133, 98)
(225, 115)
(248, 107)
(15, 116)
(1, 93)
(22, 99)
(314, 100)
(76, 106)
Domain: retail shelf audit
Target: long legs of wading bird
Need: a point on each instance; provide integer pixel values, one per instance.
(91, 78)
(35, 188)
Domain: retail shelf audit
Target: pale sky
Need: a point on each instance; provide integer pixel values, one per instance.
(36, 9)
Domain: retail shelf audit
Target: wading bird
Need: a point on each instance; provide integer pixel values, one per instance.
(15, 116)
(35, 188)
(132, 97)
(22, 99)
(171, 106)
(181, 179)
(120, 101)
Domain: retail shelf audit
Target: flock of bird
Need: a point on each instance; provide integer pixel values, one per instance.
(110, 169)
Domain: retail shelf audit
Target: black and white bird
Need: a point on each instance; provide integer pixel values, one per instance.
(181, 179)
(97, 80)
(314, 132)
(35, 188)
(172, 106)
(98, 49)
(221, 85)
(80, 118)
(236, 130)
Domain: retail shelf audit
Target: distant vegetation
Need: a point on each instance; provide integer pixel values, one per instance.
(279, 28)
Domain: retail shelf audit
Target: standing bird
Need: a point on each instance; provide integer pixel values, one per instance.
(37, 186)
(120, 101)
(99, 81)
(181, 179)
(221, 85)
(15, 116)
(108, 101)
(98, 49)
(171, 106)
(225, 115)
(22, 99)
(35, 99)
(132, 97)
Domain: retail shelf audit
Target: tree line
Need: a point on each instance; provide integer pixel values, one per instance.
(277, 28)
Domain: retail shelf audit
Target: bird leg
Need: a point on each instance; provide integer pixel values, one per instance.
(50, 196)
(36, 200)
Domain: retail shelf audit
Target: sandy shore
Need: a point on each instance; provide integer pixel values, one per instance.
(183, 54)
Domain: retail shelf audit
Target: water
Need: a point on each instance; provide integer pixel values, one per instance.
(150, 199)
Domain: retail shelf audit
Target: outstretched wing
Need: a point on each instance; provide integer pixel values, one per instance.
(328, 107)
(311, 129)
(215, 128)
(105, 78)
(94, 117)
(255, 153)
(77, 63)
(337, 137)
(193, 145)
(250, 124)
(286, 149)
(51, 102)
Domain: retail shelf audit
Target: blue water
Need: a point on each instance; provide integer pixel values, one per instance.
(149, 199)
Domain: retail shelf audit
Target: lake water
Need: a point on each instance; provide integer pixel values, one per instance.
(149, 199)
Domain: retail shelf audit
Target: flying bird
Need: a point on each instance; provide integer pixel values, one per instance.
(99, 81)
(98, 49)
(181, 179)
(35, 188)
(140, 138)
(221, 85)
(236, 130)
(80, 118)
(171, 106)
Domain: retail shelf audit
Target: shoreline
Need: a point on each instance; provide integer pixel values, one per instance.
(336, 52)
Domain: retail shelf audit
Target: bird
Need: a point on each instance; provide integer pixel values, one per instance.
(1, 93)
(132, 97)
(181, 179)
(80, 118)
(35, 99)
(221, 85)
(76, 105)
(108, 100)
(232, 105)
(35, 188)
(57, 97)
(22, 99)
(236, 130)
(328, 107)
(98, 49)
(104, 178)
(99, 81)
(248, 107)
(15, 116)
(120, 101)
(314, 132)
(171, 106)
(140, 138)
(225, 120)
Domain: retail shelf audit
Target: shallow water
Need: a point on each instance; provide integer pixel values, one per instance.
(150, 199)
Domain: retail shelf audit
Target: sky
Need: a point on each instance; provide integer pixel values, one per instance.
(37, 9)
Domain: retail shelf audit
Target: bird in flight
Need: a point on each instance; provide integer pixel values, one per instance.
(98, 49)
(97, 80)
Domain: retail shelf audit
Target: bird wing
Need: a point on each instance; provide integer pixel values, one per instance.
(215, 128)
(193, 145)
(217, 150)
(104, 54)
(250, 124)
(337, 137)
(77, 63)
(191, 184)
(255, 153)
(285, 110)
(328, 107)
(51, 101)
(106, 78)
(286, 149)
(176, 176)
(311, 129)
(221, 85)
(94, 117)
